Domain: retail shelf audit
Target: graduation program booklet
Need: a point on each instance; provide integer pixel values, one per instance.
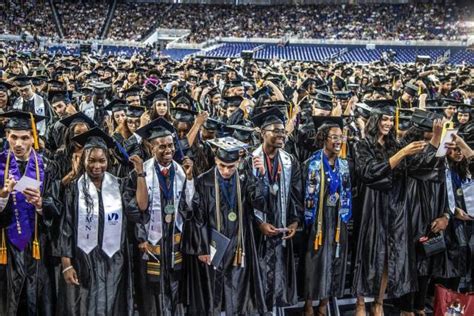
(218, 246)
(448, 137)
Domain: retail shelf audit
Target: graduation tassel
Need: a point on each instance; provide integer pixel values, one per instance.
(36, 248)
(338, 237)
(397, 119)
(343, 153)
(3, 250)
(35, 132)
(318, 240)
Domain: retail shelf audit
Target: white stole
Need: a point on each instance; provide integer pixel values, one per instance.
(155, 226)
(39, 109)
(285, 181)
(88, 228)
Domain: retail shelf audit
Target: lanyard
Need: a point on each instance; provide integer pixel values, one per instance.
(274, 169)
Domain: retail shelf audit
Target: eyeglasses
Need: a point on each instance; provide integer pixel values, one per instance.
(277, 131)
(337, 138)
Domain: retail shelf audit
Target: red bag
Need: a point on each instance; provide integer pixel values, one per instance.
(451, 303)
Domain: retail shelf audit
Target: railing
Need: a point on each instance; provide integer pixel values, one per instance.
(57, 21)
(110, 15)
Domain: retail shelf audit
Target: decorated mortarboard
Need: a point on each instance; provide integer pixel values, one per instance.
(233, 101)
(116, 105)
(213, 124)
(272, 116)
(183, 98)
(183, 115)
(411, 89)
(94, 138)
(77, 117)
(241, 132)
(385, 106)
(134, 111)
(424, 119)
(5, 86)
(156, 129)
(333, 121)
(228, 148)
(21, 81)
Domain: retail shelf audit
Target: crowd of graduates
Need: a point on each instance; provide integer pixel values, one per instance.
(234, 187)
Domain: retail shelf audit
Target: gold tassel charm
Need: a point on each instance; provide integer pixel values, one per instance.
(236, 259)
(36, 250)
(3, 250)
(242, 260)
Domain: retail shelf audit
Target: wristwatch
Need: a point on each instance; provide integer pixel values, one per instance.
(447, 215)
(142, 174)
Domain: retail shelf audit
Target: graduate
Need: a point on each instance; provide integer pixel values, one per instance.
(22, 235)
(385, 263)
(222, 208)
(93, 240)
(164, 190)
(279, 218)
(327, 211)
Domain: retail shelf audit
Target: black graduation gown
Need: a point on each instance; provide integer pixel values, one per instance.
(384, 233)
(105, 283)
(234, 290)
(324, 273)
(148, 288)
(428, 201)
(276, 260)
(28, 285)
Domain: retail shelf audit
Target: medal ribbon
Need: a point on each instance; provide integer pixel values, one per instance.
(274, 169)
(167, 188)
(228, 191)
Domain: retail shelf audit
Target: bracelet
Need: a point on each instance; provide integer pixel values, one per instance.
(447, 216)
(68, 268)
(141, 174)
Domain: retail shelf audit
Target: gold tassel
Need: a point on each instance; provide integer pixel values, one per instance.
(397, 119)
(236, 260)
(36, 248)
(343, 153)
(3, 250)
(35, 132)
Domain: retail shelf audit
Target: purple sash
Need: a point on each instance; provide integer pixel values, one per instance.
(22, 226)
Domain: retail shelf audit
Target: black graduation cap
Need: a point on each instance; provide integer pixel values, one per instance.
(311, 81)
(37, 80)
(265, 91)
(58, 96)
(411, 89)
(20, 120)
(320, 121)
(132, 91)
(94, 138)
(77, 117)
(324, 95)
(280, 104)
(449, 101)
(86, 90)
(363, 110)
(183, 115)
(214, 91)
(464, 108)
(21, 81)
(99, 87)
(156, 129)
(183, 98)
(135, 111)
(56, 84)
(116, 105)
(234, 101)
(213, 124)
(241, 132)
(424, 119)
(5, 86)
(386, 106)
(272, 116)
(158, 95)
(343, 95)
(228, 149)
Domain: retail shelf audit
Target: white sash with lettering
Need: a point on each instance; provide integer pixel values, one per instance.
(155, 226)
(285, 181)
(39, 109)
(88, 226)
